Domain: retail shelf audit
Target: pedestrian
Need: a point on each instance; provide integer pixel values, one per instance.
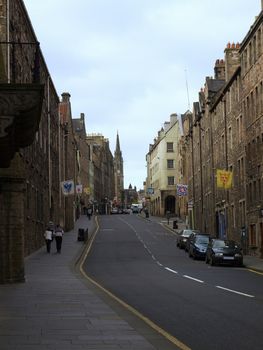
(89, 213)
(58, 237)
(51, 227)
(48, 237)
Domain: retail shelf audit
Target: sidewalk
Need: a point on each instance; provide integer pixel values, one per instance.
(251, 262)
(58, 309)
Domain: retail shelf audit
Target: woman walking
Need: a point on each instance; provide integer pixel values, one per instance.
(58, 237)
(48, 237)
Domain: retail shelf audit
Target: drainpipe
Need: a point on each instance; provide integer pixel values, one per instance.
(7, 39)
(193, 181)
(201, 175)
(59, 157)
(226, 165)
(49, 144)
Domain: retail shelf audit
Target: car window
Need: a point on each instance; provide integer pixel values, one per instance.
(219, 244)
(202, 239)
(226, 243)
(187, 232)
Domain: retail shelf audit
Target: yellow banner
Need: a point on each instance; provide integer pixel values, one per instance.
(224, 178)
(86, 190)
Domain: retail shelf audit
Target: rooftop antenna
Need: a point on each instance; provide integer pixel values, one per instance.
(187, 89)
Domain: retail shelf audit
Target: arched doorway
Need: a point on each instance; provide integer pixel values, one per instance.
(170, 204)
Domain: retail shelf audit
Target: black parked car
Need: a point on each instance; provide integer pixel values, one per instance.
(197, 245)
(191, 237)
(183, 236)
(221, 251)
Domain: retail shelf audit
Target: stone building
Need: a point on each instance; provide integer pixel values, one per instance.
(28, 142)
(103, 186)
(83, 163)
(226, 133)
(163, 169)
(130, 196)
(216, 147)
(251, 53)
(69, 166)
(37, 145)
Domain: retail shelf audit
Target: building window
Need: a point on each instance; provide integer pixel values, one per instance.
(223, 143)
(170, 146)
(170, 180)
(259, 42)
(170, 163)
(233, 215)
(259, 188)
(28, 195)
(245, 59)
(254, 49)
(230, 138)
(256, 102)
(250, 54)
(252, 235)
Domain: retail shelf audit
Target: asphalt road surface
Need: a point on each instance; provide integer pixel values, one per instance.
(205, 307)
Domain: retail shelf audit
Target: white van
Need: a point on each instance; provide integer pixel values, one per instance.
(135, 208)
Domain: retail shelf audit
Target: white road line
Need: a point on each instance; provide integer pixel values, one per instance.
(236, 292)
(194, 279)
(158, 262)
(167, 268)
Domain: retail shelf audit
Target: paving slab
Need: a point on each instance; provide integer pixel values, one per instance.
(57, 309)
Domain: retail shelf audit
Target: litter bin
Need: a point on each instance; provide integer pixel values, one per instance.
(81, 233)
(175, 226)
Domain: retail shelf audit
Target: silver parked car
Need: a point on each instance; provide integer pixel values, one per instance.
(183, 238)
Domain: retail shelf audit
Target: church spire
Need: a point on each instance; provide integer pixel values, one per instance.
(118, 149)
(118, 171)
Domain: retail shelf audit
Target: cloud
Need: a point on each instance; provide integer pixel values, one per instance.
(125, 63)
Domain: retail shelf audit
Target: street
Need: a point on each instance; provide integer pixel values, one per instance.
(204, 307)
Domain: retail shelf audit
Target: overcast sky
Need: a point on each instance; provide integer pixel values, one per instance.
(126, 62)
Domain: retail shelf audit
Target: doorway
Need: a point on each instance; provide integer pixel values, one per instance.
(170, 204)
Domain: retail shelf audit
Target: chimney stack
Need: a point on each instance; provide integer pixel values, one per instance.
(65, 97)
(232, 59)
(219, 69)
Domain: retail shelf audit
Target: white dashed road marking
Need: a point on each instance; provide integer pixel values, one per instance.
(175, 272)
(167, 268)
(236, 292)
(194, 279)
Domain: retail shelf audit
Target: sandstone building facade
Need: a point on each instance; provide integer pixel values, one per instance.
(41, 147)
(164, 170)
(225, 132)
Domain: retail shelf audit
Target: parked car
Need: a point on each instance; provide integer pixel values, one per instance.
(182, 238)
(114, 210)
(221, 251)
(197, 245)
(194, 232)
